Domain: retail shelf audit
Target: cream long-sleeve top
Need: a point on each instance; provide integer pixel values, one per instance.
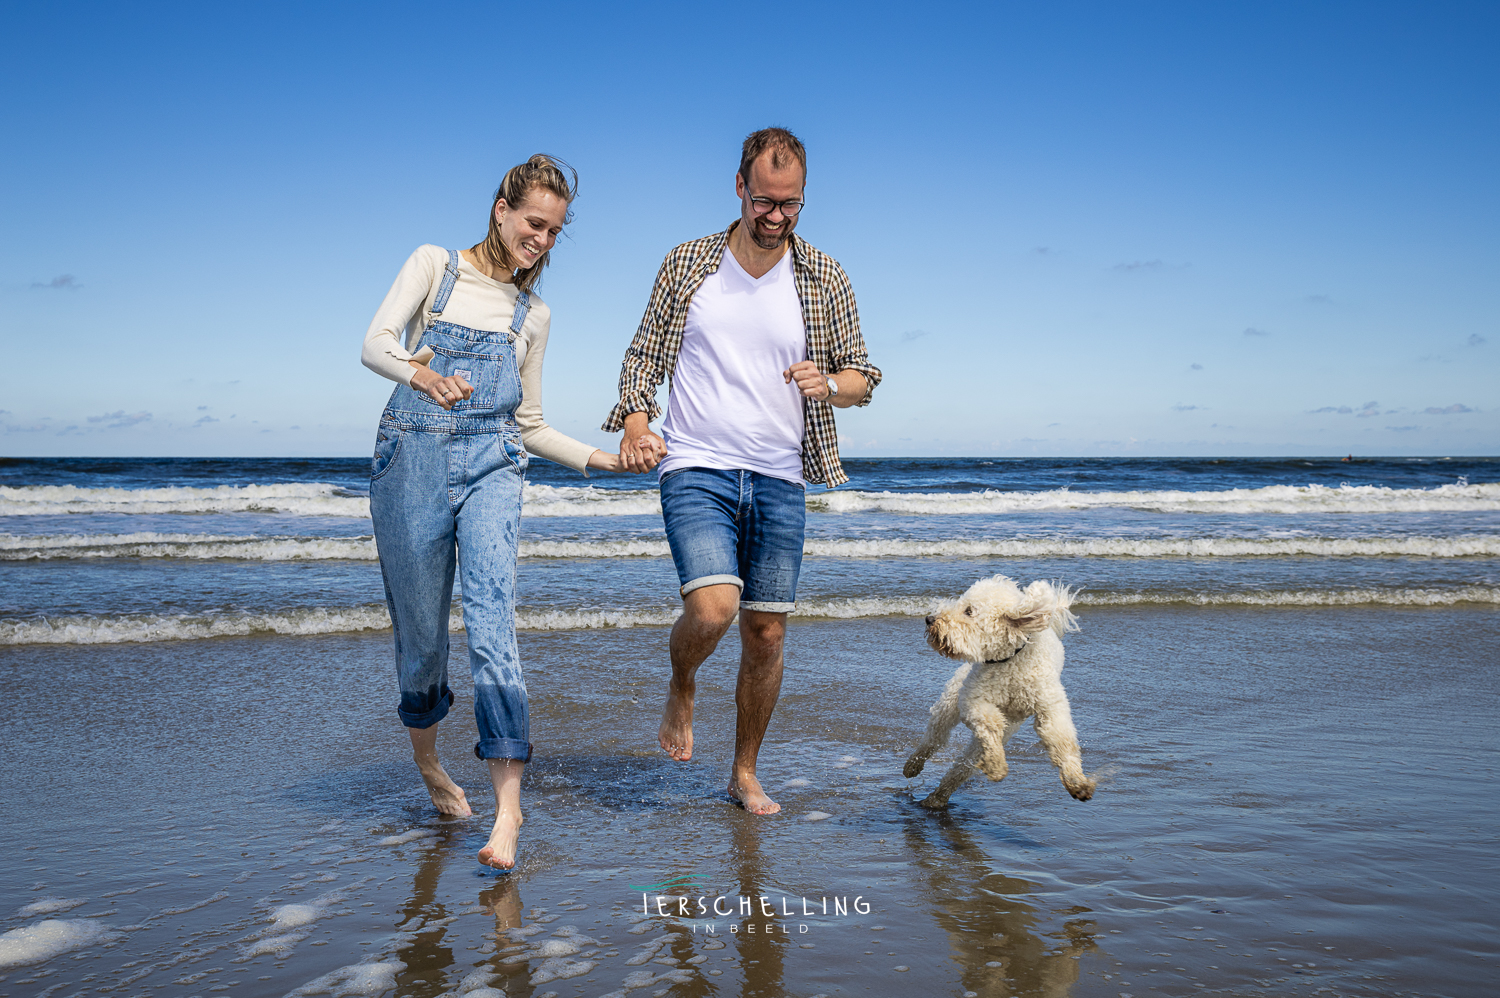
(479, 302)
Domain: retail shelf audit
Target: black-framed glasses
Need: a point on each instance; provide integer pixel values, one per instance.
(763, 206)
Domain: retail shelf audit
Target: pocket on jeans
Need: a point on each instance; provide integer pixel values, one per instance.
(515, 452)
(387, 445)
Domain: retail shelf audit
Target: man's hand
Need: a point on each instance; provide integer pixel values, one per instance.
(811, 382)
(443, 391)
(640, 449)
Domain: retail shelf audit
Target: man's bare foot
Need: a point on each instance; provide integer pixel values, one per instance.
(500, 853)
(676, 732)
(746, 789)
(448, 797)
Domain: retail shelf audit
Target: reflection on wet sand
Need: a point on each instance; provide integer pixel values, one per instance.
(993, 933)
(427, 961)
(762, 953)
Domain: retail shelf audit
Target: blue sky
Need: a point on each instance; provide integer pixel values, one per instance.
(1073, 228)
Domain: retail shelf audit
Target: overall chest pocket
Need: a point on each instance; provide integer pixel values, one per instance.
(485, 369)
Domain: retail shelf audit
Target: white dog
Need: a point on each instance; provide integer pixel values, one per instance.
(1010, 642)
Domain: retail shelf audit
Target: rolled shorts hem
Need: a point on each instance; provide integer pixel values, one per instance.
(713, 580)
(503, 748)
(430, 718)
(767, 607)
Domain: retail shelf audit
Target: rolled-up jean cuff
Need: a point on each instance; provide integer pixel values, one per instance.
(430, 718)
(746, 604)
(713, 580)
(503, 748)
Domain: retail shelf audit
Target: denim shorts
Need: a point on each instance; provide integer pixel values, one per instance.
(739, 528)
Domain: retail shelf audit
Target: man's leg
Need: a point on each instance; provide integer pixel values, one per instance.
(770, 555)
(762, 635)
(707, 613)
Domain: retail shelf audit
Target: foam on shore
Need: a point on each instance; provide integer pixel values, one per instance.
(44, 940)
(20, 547)
(82, 629)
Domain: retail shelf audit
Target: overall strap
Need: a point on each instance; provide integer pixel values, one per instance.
(523, 305)
(450, 274)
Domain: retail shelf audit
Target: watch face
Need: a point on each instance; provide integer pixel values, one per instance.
(833, 387)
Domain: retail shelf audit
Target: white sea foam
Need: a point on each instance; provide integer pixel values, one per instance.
(44, 940)
(146, 627)
(312, 499)
(301, 499)
(323, 499)
(21, 547)
(1168, 547)
(46, 547)
(86, 629)
(407, 836)
(1271, 499)
(1307, 597)
(50, 906)
(373, 978)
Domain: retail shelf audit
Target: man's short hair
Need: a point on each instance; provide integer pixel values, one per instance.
(785, 148)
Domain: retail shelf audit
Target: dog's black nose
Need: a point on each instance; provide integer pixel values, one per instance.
(930, 620)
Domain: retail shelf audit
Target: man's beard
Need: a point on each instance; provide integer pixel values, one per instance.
(771, 242)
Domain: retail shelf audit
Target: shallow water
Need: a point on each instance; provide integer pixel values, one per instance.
(1292, 801)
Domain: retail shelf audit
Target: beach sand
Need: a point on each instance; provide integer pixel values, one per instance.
(1291, 801)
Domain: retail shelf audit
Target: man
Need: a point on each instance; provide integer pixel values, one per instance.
(759, 333)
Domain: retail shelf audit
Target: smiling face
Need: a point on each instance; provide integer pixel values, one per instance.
(530, 229)
(785, 183)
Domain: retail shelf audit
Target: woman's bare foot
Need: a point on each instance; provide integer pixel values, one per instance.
(746, 789)
(448, 797)
(676, 732)
(500, 853)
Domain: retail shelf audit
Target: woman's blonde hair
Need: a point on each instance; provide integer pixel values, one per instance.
(540, 171)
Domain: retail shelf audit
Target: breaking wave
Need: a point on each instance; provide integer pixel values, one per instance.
(320, 499)
(20, 547)
(1271, 499)
(129, 628)
(314, 499)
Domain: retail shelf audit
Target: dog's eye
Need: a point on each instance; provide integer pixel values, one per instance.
(968, 611)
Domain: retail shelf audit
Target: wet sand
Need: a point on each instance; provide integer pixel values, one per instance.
(1292, 801)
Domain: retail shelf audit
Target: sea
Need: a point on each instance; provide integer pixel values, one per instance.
(1285, 681)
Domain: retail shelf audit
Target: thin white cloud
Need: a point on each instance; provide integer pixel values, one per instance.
(1475, 340)
(1252, 331)
(1456, 407)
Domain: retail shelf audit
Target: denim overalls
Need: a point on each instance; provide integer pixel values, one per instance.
(445, 477)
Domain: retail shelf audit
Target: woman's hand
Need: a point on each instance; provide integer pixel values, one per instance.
(605, 462)
(443, 391)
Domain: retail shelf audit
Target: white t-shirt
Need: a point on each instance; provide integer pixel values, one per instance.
(729, 405)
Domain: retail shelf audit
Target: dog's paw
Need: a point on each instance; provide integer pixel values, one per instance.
(913, 767)
(1082, 790)
(933, 802)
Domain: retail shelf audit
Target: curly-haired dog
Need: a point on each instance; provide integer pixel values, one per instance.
(1010, 642)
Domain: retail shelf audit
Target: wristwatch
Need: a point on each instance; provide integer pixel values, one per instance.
(833, 388)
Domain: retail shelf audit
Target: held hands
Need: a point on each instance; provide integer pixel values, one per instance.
(444, 391)
(811, 382)
(640, 449)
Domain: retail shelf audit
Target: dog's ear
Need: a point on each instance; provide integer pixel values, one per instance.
(1044, 606)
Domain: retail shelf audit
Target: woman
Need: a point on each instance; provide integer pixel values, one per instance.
(449, 462)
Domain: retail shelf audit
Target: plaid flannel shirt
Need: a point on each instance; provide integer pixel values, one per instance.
(834, 342)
